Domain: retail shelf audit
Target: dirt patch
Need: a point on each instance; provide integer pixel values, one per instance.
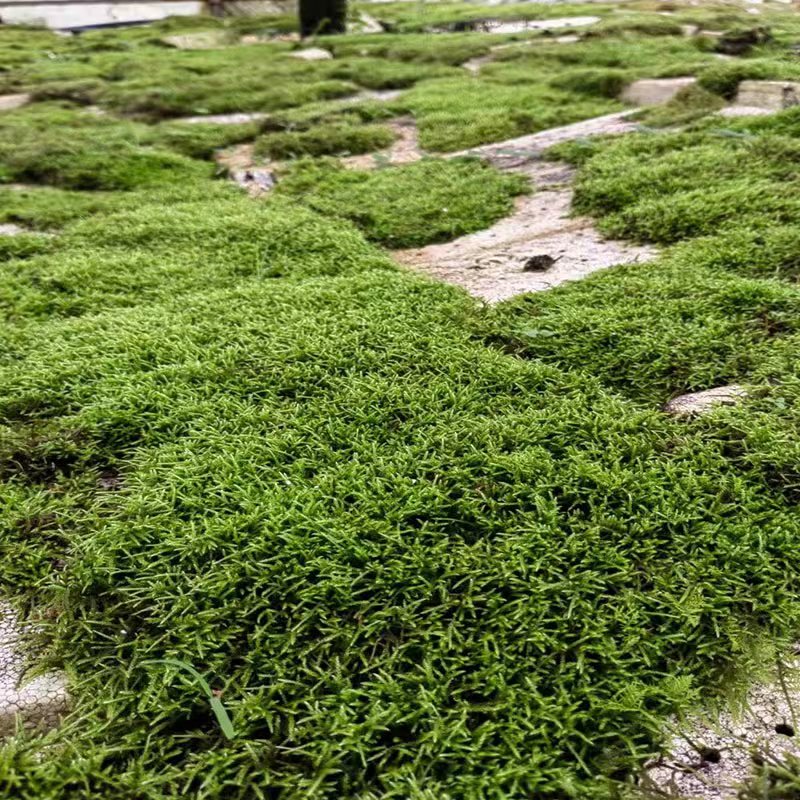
(38, 703)
(257, 178)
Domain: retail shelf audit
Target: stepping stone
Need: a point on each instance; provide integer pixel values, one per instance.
(654, 92)
(38, 703)
(523, 149)
(8, 102)
(311, 54)
(772, 95)
(698, 403)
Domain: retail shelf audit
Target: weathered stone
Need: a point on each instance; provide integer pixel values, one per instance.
(8, 102)
(773, 95)
(365, 23)
(515, 25)
(653, 92)
(731, 112)
(36, 703)
(201, 40)
(312, 54)
(239, 118)
(698, 403)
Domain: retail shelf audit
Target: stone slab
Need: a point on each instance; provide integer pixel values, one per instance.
(773, 95)
(655, 91)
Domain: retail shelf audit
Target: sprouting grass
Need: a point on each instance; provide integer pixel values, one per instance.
(416, 547)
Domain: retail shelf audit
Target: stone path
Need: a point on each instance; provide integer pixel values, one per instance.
(518, 25)
(539, 245)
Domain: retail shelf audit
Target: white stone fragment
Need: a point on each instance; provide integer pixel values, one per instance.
(201, 40)
(311, 54)
(702, 402)
(8, 102)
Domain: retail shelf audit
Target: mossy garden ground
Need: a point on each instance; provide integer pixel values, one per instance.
(421, 548)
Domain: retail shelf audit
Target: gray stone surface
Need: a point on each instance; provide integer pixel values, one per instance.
(653, 92)
(772, 95)
(702, 402)
(494, 264)
(38, 702)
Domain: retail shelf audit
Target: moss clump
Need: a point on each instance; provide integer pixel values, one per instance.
(332, 139)
(598, 82)
(75, 149)
(407, 206)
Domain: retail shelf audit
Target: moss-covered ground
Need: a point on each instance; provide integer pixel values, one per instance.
(421, 549)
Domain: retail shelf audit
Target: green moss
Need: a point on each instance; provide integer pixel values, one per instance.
(202, 140)
(421, 548)
(599, 82)
(77, 149)
(411, 205)
(330, 139)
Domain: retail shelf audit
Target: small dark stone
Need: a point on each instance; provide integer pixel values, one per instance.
(109, 480)
(784, 729)
(538, 263)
